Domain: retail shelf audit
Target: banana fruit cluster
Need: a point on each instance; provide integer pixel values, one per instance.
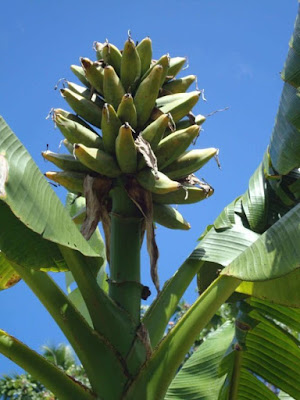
(137, 102)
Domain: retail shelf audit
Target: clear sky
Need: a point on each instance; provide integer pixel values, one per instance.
(236, 48)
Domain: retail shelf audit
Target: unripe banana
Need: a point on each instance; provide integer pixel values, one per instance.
(176, 63)
(130, 66)
(70, 116)
(67, 162)
(112, 56)
(172, 146)
(144, 48)
(74, 132)
(178, 108)
(179, 85)
(68, 146)
(169, 217)
(110, 127)
(79, 73)
(127, 111)
(84, 107)
(112, 87)
(98, 47)
(199, 120)
(97, 160)
(189, 162)
(84, 92)
(126, 151)
(156, 183)
(94, 73)
(72, 181)
(154, 132)
(164, 100)
(164, 62)
(185, 195)
(146, 95)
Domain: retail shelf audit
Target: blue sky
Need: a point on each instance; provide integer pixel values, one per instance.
(236, 48)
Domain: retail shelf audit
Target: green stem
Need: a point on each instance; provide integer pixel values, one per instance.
(161, 310)
(92, 351)
(108, 319)
(126, 221)
(235, 378)
(158, 372)
(64, 387)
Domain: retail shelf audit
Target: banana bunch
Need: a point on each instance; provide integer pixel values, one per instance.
(144, 113)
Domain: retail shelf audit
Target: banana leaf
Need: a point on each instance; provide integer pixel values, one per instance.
(30, 213)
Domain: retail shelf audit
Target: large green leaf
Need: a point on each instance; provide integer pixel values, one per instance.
(270, 352)
(31, 199)
(274, 254)
(199, 377)
(283, 290)
(285, 141)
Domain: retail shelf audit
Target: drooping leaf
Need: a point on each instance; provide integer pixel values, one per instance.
(199, 377)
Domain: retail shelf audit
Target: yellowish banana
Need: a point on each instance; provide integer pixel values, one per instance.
(97, 160)
(73, 181)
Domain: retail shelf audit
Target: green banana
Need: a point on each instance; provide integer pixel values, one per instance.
(126, 151)
(146, 95)
(84, 92)
(164, 100)
(98, 47)
(68, 146)
(130, 66)
(144, 49)
(169, 217)
(176, 64)
(164, 62)
(127, 111)
(94, 73)
(154, 132)
(112, 56)
(178, 108)
(172, 146)
(97, 160)
(189, 162)
(187, 194)
(112, 87)
(179, 85)
(199, 120)
(156, 183)
(79, 73)
(70, 116)
(67, 162)
(84, 107)
(74, 132)
(72, 181)
(110, 127)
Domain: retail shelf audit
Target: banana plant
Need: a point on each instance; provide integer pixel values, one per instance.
(128, 177)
